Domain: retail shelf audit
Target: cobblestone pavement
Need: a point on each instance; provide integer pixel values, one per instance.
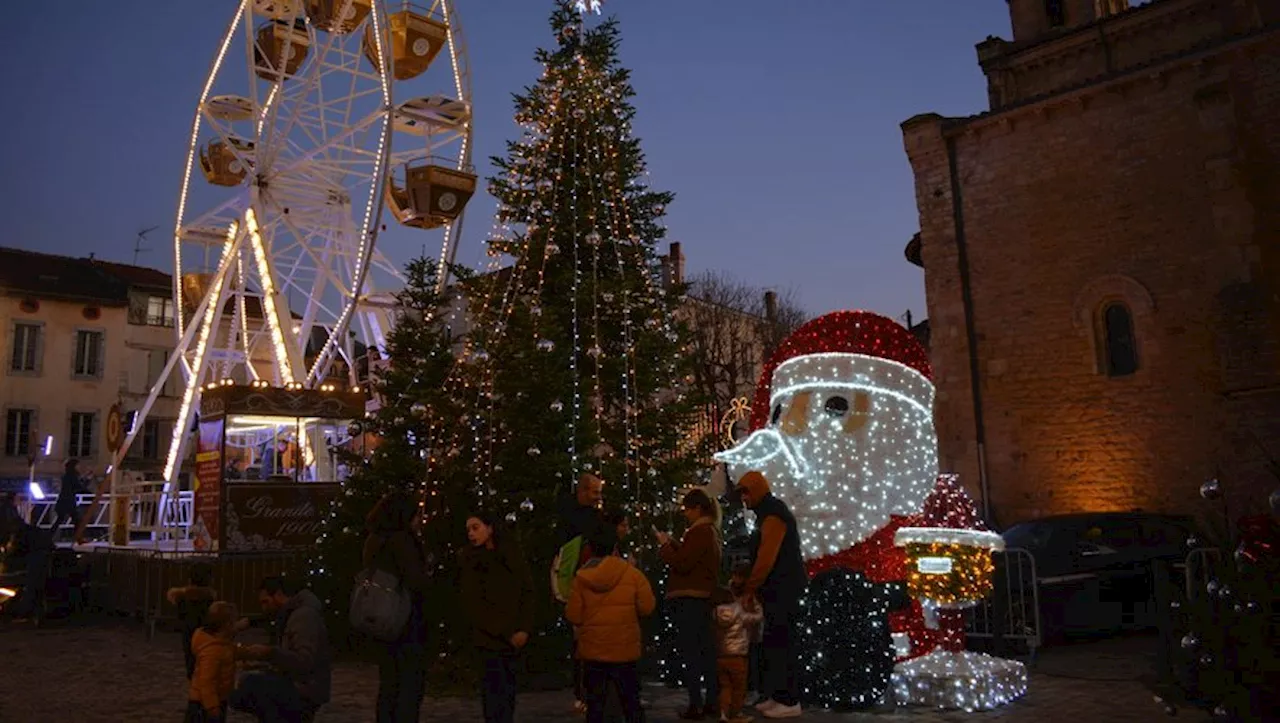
(109, 671)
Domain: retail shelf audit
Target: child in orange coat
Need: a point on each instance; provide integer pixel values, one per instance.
(608, 598)
(215, 671)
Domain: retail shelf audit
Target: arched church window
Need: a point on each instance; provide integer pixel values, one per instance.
(1119, 344)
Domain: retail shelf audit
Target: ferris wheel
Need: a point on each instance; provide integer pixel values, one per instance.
(311, 128)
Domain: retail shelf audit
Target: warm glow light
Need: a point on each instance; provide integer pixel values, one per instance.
(270, 296)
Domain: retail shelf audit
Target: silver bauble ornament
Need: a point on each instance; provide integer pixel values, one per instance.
(418, 409)
(1190, 641)
(557, 406)
(511, 517)
(1211, 490)
(593, 239)
(527, 505)
(533, 451)
(355, 429)
(1212, 586)
(1274, 500)
(546, 345)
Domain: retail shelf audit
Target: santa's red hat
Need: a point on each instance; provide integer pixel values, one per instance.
(848, 332)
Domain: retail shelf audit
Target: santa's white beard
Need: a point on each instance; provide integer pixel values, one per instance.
(843, 488)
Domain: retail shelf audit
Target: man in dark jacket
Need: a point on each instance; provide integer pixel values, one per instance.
(778, 577)
(299, 680)
(580, 513)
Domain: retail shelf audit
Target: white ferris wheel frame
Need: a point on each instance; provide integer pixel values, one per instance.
(278, 230)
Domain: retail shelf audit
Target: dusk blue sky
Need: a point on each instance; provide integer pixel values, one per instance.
(775, 123)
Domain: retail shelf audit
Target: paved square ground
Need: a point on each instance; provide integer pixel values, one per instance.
(108, 671)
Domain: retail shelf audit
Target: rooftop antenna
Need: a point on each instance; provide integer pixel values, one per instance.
(137, 245)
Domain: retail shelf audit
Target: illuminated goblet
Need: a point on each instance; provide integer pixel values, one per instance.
(951, 569)
(948, 569)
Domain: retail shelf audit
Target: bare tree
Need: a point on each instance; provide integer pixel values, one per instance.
(735, 327)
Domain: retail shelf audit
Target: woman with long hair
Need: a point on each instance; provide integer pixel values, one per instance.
(393, 546)
(695, 575)
(497, 595)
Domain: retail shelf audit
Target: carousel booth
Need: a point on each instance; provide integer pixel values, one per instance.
(267, 465)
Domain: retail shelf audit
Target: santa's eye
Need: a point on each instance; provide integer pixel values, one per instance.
(836, 406)
(777, 414)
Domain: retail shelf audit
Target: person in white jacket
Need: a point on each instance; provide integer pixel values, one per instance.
(737, 623)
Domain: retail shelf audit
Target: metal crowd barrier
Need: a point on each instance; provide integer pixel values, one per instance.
(1012, 610)
(135, 581)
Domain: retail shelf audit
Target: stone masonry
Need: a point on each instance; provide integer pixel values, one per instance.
(1130, 158)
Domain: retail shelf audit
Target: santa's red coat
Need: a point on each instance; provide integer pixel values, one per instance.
(881, 561)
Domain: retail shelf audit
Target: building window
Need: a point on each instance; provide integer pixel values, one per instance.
(18, 426)
(156, 361)
(151, 439)
(1056, 11)
(26, 348)
(159, 311)
(1119, 345)
(88, 360)
(81, 442)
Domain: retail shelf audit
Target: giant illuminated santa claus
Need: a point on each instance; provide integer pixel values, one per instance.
(843, 430)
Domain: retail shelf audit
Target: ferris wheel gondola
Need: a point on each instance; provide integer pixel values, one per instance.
(310, 124)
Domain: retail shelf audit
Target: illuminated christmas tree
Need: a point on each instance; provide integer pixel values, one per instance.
(574, 361)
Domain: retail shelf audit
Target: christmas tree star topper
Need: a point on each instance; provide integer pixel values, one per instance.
(588, 6)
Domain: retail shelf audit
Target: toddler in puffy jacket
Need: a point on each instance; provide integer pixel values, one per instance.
(737, 626)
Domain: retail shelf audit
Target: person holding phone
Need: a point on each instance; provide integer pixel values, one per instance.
(694, 561)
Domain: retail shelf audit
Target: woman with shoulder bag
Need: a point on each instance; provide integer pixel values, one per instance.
(497, 595)
(392, 546)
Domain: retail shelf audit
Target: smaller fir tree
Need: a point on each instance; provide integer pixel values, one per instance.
(389, 450)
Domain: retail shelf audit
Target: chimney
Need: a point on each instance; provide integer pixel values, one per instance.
(771, 306)
(676, 259)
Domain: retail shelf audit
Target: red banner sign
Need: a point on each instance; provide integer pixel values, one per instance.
(206, 522)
